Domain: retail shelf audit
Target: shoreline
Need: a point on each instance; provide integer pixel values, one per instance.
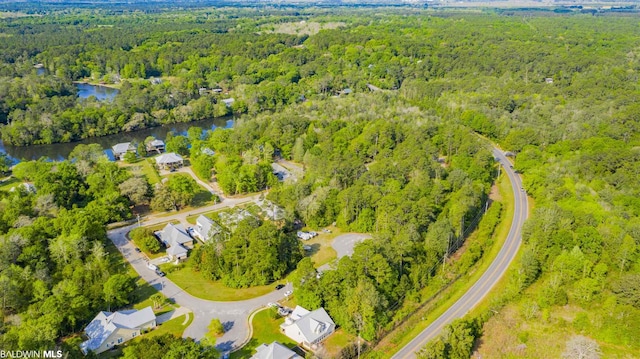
(111, 86)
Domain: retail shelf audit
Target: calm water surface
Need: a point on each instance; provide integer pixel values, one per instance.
(60, 151)
(100, 92)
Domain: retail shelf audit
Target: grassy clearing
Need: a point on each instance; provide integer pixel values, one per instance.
(143, 168)
(265, 331)
(321, 250)
(423, 318)
(195, 284)
(301, 28)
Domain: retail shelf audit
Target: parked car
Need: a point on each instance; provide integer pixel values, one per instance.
(279, 286)
(160, 273)
(284, 311)
(288, 293)
(152, 266)
(273, 305)
(138, 250)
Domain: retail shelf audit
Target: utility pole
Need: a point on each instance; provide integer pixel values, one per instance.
(138, 216)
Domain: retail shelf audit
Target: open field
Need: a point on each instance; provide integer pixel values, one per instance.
(302, 27)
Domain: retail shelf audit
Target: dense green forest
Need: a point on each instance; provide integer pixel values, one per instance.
(54, 270)
(371, 165)
(398, 160)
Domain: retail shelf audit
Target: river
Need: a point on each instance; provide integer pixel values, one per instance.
(60, 151)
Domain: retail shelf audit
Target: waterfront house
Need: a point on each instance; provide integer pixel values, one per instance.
(228, 101)
(120, 149)
(169, 161)
(108, 330)
(155, 146)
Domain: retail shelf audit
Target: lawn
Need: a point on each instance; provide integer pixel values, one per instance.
(265, 331)
(195, 284)
(174, 326)
(143, 168)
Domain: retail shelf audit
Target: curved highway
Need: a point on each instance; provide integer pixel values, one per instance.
(493, 274)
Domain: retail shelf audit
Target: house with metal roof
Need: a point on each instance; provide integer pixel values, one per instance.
(120, 149)
(308, 329)
(169, 161)
(206, 228)
(108, 329)
(155, 146)
(275, 350)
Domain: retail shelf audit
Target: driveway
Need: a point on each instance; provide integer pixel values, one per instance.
(233, 315)
(176, 313)
(344, 245)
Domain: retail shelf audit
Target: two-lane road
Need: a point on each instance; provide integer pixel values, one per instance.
(496, 270)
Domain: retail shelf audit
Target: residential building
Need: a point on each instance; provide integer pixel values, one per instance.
(308, 329)
(108, 329)
(155, 146)
(275, 350)
(178, 242)
(120, 149)
(228, 101)
(206, 228)
(169, 161)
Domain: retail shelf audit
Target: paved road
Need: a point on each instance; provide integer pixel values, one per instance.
(496, 270)
(233, 315)
(344, 245)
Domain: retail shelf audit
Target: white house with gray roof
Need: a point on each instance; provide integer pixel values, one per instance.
(108, 329)
(308, 328)
(176, 239)
(169, 161)
(155, 145)
(120, 149)
(206, 228)
(275, 350)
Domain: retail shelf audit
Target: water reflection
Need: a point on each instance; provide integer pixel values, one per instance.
(60, 151)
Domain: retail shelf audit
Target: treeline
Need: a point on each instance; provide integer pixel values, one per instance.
(498, 70)
(370, 166)
(55, 273)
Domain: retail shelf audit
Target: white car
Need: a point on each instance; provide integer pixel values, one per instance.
(272, 305)
(288, 293)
